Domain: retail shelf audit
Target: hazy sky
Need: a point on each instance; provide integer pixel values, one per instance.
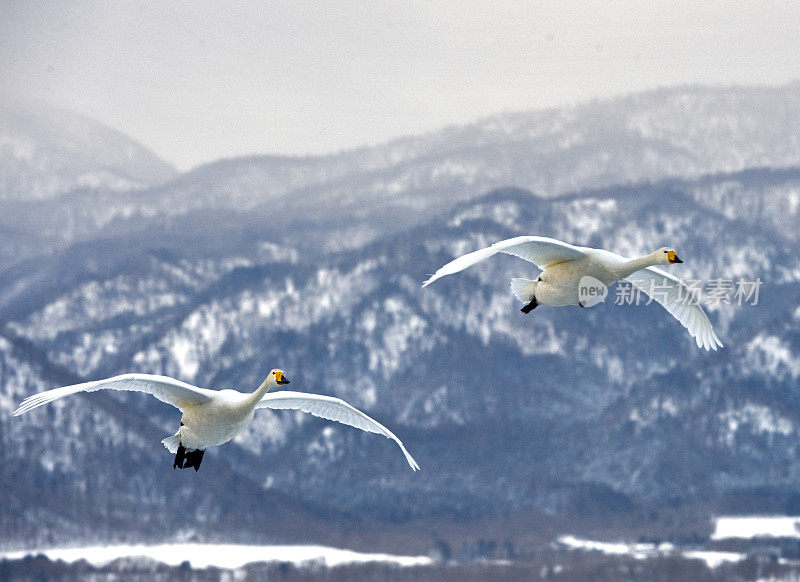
(200, 80)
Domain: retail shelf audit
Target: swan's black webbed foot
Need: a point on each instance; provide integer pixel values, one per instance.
(530, 306)
(180, 456)
(193, 459)
(188, 459)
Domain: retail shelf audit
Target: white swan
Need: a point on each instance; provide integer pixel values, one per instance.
(564, 265)
(213, 417)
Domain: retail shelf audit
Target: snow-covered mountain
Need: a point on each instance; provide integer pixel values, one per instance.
(609, 413)
(345, 200)
(46, 152)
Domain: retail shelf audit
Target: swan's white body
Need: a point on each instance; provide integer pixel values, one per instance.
(564, 265)
(213, 417)
(215, 422)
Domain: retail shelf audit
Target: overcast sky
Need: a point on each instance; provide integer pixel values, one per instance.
(200, 80)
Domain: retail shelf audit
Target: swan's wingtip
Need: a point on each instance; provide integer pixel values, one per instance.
(713, 342)
(412, 463)
(23, 407)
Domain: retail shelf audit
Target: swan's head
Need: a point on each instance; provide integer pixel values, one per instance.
(278, 377)
(666, 255)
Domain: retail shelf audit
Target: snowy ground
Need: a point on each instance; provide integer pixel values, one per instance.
(225, 556)
(725, 527)
(230, 556)
(644, 551)
(747, 527)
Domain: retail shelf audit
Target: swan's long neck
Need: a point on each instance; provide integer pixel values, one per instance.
(256, 396)
(637, 264)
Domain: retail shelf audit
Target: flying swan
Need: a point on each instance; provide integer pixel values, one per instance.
(565, 266)
(213, 417)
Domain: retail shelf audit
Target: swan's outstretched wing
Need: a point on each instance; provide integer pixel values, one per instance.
(539, 250)
(331, 408)
(169, 390)
(680, 301)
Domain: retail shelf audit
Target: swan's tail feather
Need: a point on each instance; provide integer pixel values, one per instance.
(172, 443)
(519, 287)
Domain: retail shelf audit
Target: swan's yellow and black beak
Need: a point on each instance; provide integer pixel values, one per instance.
(280, 378)
(673, 257)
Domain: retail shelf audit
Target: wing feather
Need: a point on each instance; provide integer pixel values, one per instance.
(331, 408)
(539, 250)
(169, 390)
(680, 301)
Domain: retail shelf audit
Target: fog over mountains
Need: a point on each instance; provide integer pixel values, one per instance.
(113, 263)
(47, 152)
